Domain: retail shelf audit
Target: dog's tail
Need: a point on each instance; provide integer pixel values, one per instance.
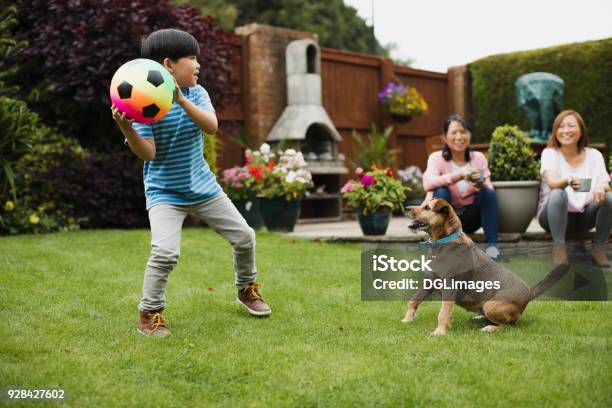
(549, 280)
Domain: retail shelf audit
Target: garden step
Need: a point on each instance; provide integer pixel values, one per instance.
(534, 240)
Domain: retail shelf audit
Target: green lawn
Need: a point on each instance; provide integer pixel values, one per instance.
(68, 308)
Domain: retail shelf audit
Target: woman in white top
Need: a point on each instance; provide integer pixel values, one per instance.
(566, 202)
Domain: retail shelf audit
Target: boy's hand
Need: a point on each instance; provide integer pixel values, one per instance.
(120, 118)
(178, 94)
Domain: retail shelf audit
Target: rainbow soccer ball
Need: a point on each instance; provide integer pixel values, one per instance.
(143, 89)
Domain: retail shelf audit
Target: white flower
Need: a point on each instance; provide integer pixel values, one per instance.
(299, 159)
(291, 176)
(290, 152)
(304, 174)
(279, 170)
(265, 149)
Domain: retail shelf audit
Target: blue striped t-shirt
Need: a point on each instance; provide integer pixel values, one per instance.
(178, 174)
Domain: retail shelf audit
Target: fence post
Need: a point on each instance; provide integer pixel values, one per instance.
(387, 73)
(458, 91)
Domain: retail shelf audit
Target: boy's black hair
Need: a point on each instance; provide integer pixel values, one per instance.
(169, 43)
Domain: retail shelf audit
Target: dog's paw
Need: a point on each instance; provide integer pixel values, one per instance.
(440, 331)
(409, 317)
(490, 328)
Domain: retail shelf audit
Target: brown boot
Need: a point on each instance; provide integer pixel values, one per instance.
(559, 254)
(152, 323)
(251, 299)
(599, 253)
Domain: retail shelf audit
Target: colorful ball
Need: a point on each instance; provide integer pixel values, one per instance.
(143, 89)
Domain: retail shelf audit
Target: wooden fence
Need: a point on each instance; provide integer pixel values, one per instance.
(351, 83)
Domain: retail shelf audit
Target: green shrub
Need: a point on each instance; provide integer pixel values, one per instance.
(584, 67)
(373, 151)
(49, 178)
(511, 157)
(23, 217)
(212, 145)
(19, 127)
(9, 48)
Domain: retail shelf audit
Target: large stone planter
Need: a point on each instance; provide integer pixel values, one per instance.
(518, 204)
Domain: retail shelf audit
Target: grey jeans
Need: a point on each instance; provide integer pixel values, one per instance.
(166, 225)
(555, 219)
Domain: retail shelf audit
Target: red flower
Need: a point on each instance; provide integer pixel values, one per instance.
(257, 172)
(271, 164)
(389, 172)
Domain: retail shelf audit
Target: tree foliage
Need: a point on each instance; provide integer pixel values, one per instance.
(337, 25)
(9, 49)
(77, 45)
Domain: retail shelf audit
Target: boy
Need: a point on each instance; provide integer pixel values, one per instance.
(178, 181)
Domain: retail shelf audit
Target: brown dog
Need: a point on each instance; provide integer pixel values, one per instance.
(461, 261)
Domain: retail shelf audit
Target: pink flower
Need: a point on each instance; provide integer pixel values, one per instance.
(359, 171)
(231, 174)
(348, 187)
(367, 180)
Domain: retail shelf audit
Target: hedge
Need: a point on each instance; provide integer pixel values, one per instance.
(586, 69)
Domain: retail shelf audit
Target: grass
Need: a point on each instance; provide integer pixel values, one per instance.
(68, 309)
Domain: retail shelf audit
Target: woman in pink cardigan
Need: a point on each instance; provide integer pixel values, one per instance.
(462, 177)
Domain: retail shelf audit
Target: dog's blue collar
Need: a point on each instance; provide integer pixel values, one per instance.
(441, 241)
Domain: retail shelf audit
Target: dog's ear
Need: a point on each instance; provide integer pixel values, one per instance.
(441, 206)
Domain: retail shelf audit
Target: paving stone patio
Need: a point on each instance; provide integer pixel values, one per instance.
(534, 241)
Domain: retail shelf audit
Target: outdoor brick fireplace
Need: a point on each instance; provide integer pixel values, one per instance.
(305, 124)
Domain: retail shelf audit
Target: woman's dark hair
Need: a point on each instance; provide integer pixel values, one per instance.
(169, 43)
(446, 152)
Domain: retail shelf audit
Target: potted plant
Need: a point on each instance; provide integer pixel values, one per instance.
(412, 177)
(375, 194)
(515, 174)
(373, 149)
(242, 185)
(402, 102)
(284, 184)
